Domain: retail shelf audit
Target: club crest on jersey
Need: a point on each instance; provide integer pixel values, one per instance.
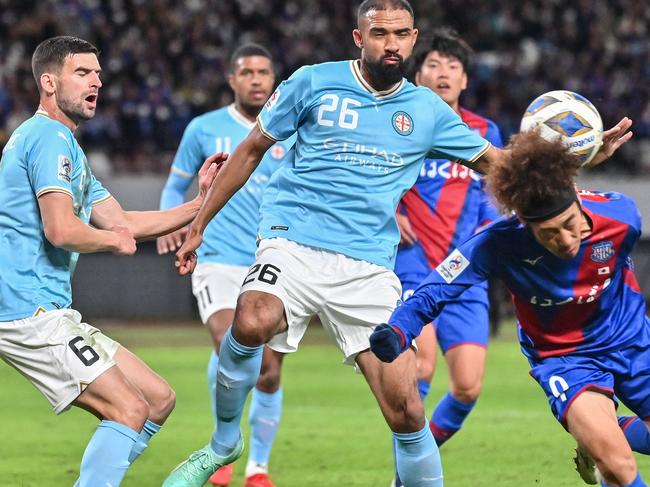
(402, 123)
(602, 251)
(277, 151)
(64, 169)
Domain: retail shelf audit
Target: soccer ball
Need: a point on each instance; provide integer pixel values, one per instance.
(568, 116)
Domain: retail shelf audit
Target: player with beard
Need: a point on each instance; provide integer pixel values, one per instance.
(48, 197)
(328, 231)
(229, 244)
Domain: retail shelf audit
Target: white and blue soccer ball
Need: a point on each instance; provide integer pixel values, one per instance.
(568, 116)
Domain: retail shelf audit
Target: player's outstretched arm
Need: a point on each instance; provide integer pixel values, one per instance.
(63, 229)
(146, 225)
(232, 176)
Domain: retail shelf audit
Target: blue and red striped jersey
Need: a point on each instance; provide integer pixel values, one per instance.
(590, 303)
(445, 206)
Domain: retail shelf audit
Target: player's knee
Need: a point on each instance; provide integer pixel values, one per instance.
(269, 380)
(405, 416)
(255, 323)
(425, 370)
(466, 391)
(132, 412)
(162, 404)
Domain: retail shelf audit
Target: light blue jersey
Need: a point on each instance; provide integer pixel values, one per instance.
(41, 156)
(357, 152)
(230, 236)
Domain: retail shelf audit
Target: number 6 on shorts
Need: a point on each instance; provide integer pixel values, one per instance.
(86, 354)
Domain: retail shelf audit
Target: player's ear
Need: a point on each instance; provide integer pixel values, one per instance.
(464, 84)
(231, 81)
(358, 40)
(48, 83)
(415, 36)
(417, 78)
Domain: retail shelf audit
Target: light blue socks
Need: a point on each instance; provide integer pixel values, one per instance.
(264, 418)
(418, 459)
(239, 369)
(106, 458)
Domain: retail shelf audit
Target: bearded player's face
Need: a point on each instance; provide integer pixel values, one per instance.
(386, 38)
(252, 81)
(77, 86)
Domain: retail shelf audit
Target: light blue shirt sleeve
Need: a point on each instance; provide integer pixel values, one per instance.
(173, 194)
(98, 193)
(189, 156)
(50, 163)
(282, 113)
(452, 138)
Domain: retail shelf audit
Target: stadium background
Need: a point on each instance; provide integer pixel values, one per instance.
(165, 62)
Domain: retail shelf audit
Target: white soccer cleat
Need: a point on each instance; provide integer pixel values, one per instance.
(586, 467)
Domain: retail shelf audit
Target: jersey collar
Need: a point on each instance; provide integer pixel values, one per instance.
(238, 117)
(355, 66)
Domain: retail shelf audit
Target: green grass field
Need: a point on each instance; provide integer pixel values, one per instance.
(331, 434)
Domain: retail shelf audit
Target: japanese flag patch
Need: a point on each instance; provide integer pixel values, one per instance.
(452, 266)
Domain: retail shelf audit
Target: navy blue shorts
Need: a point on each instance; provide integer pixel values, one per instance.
(622, 374)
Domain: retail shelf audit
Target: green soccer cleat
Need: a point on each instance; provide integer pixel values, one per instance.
(196, 470)
(586, 467)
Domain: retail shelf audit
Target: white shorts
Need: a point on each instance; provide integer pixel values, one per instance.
(216, 287)
(349, 296)
(57, 353)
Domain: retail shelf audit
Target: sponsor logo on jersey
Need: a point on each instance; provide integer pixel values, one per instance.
(402, 123)
(270, 103)
(65, 168)
(351, 153)
(452, 266)
(433, 168)
(602, 251)
(533, 261)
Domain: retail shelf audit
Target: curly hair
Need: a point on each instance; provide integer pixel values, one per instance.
(534, 172)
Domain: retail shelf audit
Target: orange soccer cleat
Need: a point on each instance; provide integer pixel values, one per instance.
(222, 477)
(258, 480)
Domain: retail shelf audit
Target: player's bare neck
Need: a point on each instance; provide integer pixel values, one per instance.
(49, 108)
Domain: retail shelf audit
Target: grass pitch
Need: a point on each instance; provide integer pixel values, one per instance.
(331, 433)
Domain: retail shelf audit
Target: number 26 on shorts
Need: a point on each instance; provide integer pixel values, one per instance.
(267, 273)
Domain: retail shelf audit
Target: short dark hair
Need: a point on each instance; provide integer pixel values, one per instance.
(447, 42)
(368, 5)
(534, 172)
(51, 54)
(247, 50)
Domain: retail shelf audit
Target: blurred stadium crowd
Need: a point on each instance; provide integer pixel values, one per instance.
(166, 61)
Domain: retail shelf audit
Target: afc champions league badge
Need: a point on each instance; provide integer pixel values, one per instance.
(402, 123)
(602, 252)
